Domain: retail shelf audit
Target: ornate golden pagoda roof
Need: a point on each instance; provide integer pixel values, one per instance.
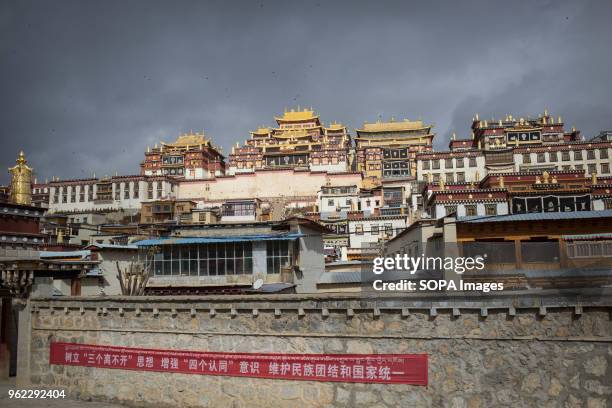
(394, 126)
(189, 140)
(261, 131)
(297, 115)
(335, 126)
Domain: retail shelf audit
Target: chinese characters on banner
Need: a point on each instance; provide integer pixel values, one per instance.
(365, 368)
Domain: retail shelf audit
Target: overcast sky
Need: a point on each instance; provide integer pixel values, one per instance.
(86, 86)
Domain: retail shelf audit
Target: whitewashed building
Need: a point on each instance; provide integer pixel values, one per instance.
(109, 193)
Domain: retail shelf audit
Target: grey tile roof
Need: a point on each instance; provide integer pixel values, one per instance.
(536, 216)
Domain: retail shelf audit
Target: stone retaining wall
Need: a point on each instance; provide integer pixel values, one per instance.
(540, 349)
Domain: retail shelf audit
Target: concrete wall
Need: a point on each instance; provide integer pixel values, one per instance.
(521, 349)
(263, 184)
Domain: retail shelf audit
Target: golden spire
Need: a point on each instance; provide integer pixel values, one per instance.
(441, 182)
(454, 136)
(593, 178)
(559, 120)
(501, 182)
(477, 117)
(21, 181)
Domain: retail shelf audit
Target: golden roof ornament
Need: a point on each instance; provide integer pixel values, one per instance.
(454, 136)
(545, 177)
(559, 120)
(593, 178)
(441, 182)
(554, 180)
(537, 180)
(21, 181)
(501, 182)
(477, 117)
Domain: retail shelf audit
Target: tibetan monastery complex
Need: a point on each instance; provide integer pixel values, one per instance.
(190, 156)
(299, 141)
(377, 190)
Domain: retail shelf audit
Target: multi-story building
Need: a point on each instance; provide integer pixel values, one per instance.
(40, 194)
(516, 145)
(300, 140)
(519, 193)
(368, 235)
(456, 165)
(162, 211)
(191, 156)
(387, 150)
(108, 193)
(231, 257)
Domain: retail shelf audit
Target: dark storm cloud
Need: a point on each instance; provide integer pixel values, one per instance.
(86, 86)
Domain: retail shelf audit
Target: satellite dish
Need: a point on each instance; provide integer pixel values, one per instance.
(258, 284)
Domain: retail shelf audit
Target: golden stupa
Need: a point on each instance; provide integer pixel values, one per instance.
(21, 182)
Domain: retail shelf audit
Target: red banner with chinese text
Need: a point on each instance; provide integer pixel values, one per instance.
(364, 368)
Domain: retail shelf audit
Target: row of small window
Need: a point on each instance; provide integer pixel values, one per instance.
(61, 193)
(471, 209)
(339, 190)
(326, 160)
(591, 168)
(368, 203)
(448, 177)
(565, 156)
(459, 162)
(374, 229)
